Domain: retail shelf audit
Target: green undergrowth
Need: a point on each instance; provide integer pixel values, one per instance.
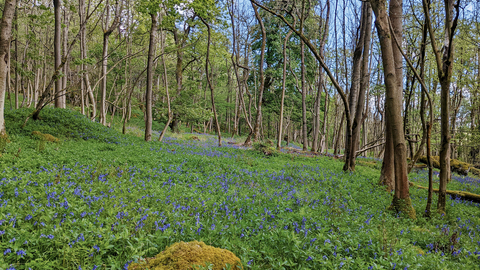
(109, 200)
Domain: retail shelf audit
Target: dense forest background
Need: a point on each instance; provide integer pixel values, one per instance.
(130, 57)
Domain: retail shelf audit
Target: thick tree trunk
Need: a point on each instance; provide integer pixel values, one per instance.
(150, 71)
(401, 200)
(5, 35)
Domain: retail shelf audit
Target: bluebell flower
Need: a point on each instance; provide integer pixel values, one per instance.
(21, 253)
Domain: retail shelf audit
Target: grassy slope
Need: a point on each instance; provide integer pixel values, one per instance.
(101, 198)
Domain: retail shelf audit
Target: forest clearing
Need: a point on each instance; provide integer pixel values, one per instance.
(239, 134)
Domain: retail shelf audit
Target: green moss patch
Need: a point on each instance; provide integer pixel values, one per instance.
(187, 255)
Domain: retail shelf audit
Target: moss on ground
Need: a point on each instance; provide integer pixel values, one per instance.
(186, 255)
(45, 137)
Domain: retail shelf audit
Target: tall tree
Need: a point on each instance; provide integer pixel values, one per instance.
(444, 60)
(258, 117)
(150, 71)
(107, 31)
(57, 45)
(282, 100)
(393, 104)
(5, 37)
(209, 82)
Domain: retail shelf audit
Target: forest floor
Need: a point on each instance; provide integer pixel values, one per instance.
(98, 199)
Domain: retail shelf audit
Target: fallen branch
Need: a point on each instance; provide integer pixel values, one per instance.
(368, 148)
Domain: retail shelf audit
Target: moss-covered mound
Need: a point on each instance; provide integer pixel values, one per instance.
(45, 137)
(182, 256)
(456, 165)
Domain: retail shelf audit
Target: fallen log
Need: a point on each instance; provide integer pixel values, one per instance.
(455, 193)
(457, 166)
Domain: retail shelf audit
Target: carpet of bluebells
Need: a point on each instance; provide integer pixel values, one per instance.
(102, 200)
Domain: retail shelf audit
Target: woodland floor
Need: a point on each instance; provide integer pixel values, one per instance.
(98, 199)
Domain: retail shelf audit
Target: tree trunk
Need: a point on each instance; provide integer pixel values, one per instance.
(444, 66)
(209, 81)
(258, 118)
(150, 71)
(63, 96)
(16, 59)
(5, 36)
(393, 101)
(57, 45)
(106, 34)
(280, 125)
(304, 98)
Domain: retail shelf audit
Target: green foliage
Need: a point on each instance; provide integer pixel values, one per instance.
(60, 123)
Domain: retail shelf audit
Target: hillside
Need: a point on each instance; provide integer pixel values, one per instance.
(98, 199)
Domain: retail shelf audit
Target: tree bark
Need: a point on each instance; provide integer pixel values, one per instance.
(209, 81)
(304, 98)
(5, 36)
(284, 79)
(444, 66)
(57, 47)
(150, 71)
(393, 101)
(258, 118)
(106, 34)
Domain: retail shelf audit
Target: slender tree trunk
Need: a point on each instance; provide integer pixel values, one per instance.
(5, 36)
(170, 116)
(258, 118)
(209, 81)
(150, 71)
(63, 97)
(304, 98)
(106, 34)
(81, 14)
(16, 60)
(280, 125)
(444, 66)
(90, 98)
(339, 133)
(57, 45)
